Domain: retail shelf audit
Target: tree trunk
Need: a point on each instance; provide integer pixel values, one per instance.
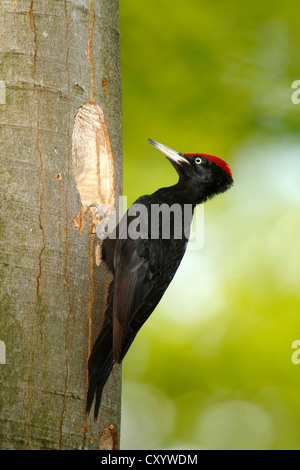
(58, 58)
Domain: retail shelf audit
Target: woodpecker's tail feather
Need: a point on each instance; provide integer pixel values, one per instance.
(100, 365)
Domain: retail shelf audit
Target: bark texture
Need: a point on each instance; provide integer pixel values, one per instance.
(55, 56)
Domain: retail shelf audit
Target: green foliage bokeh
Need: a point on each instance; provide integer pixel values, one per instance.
(212, 367)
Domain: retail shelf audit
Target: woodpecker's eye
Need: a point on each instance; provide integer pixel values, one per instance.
(198, 160)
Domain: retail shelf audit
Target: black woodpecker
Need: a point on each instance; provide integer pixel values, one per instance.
(144, 253)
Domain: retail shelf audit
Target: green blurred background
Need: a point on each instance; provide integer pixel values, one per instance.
(212, 367)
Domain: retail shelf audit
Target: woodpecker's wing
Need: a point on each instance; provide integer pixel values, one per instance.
(138, 287)
(140, 281)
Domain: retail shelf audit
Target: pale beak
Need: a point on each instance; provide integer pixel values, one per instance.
(172, 155)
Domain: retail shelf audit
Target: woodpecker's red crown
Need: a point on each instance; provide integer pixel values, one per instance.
(218, 161)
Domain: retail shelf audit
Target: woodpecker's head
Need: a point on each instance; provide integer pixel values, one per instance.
(201, 176)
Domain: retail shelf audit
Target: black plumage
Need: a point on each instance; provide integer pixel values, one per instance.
(144, 261)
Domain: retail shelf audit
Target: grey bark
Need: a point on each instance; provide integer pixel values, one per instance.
(54, 56)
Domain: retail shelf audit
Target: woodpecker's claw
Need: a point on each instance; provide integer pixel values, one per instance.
(99, 209)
